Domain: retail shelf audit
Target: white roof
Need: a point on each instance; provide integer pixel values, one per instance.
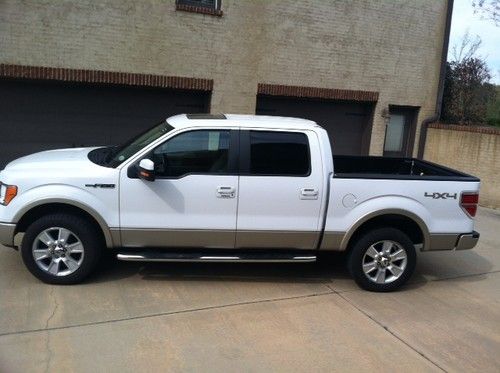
(238, 120)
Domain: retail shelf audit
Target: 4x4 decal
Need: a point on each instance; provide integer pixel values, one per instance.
(437, 195)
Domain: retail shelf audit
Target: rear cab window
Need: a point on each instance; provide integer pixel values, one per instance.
(275, 153)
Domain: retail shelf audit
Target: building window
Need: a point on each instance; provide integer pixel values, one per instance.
(211, 7)
(400, 131)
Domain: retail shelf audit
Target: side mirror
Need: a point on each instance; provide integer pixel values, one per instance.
(146, 169)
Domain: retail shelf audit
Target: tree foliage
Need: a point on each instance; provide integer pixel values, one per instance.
(493, 114)
(489, 9)
(467, 91)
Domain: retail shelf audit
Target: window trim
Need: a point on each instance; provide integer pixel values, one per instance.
(232, 160)
(203, 9)
(244, 146)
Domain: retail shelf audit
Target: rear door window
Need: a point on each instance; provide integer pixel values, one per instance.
(274, 153)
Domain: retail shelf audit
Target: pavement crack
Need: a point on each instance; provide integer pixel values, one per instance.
(160, 314)
(388, 330)
(47, 341)
(56, 306)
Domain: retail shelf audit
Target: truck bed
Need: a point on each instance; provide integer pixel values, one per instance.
(366, 167)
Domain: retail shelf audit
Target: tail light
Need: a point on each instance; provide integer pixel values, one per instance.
(468, 203)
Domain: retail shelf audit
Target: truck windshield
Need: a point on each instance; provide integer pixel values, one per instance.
(123, 152)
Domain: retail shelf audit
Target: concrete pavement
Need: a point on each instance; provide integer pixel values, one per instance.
(223, 317)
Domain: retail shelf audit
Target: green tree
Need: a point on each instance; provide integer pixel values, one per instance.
(467, 91)
(493, 111)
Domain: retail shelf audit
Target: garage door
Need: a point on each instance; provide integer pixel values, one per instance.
(38, 115)
(347, 123)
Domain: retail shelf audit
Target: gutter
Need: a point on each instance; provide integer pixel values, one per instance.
(439, 99)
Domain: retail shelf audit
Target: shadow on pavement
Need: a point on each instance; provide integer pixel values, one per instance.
(328, 267)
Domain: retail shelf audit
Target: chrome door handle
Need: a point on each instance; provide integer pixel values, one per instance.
(309, 193)
(226, 192)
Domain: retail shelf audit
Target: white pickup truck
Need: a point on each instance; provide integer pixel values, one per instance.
(232, 188)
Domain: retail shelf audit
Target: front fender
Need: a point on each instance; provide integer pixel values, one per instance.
(102, 205)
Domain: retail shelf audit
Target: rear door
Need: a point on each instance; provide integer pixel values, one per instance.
(279, 189)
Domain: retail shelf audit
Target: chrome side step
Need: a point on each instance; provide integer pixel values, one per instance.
(251, 257)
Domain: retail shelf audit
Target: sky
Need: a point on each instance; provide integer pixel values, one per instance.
(464, 19)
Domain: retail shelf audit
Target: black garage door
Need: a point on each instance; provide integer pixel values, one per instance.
(37, 115)
(348, 123)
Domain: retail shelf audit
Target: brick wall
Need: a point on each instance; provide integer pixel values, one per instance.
(474, 150)
(391, 47)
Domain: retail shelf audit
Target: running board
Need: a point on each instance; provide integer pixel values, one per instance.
(252, 257)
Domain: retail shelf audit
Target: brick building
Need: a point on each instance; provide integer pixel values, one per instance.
(84, 72)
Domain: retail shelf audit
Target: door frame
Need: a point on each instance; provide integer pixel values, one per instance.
(411, 115)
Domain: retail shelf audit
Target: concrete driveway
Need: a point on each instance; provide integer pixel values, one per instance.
(223, 317)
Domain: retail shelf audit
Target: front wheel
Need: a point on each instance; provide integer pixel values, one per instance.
(382, 259)
(61, 248)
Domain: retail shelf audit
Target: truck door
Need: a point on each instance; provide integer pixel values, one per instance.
(280, 194)
(192, 202)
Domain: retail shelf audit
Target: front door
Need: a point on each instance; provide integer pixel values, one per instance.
(192, 202)
(400, 133)
(280, 190)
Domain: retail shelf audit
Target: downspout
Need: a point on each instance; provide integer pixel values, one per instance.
(439, 99)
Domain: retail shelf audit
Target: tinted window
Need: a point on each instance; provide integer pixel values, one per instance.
(193, 152)
(279, 153)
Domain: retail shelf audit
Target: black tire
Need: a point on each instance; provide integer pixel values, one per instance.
(82, 228)
(361, 246)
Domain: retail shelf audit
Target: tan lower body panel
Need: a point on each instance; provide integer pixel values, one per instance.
(221, 239)
(276, 240)
(229, 239)
(437, 241)
(441, 241)
(332, 241)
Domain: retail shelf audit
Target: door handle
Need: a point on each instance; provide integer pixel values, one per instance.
(226, 192)
(309, 193)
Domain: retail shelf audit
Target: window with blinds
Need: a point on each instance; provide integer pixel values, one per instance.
(211, 4)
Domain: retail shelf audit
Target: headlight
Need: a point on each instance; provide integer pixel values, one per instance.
(7, 193)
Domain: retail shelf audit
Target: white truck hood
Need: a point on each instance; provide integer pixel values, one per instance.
(52, 159)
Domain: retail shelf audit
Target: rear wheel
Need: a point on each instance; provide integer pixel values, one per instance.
(382, 259)
(61, 248)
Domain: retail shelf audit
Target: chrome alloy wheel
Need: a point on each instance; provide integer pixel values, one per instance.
(58, 251)
(384, 262)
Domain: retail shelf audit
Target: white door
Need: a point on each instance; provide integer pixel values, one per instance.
(280, 190)
(192, 202)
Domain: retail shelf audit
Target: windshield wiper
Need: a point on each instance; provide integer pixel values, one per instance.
(111, 151)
